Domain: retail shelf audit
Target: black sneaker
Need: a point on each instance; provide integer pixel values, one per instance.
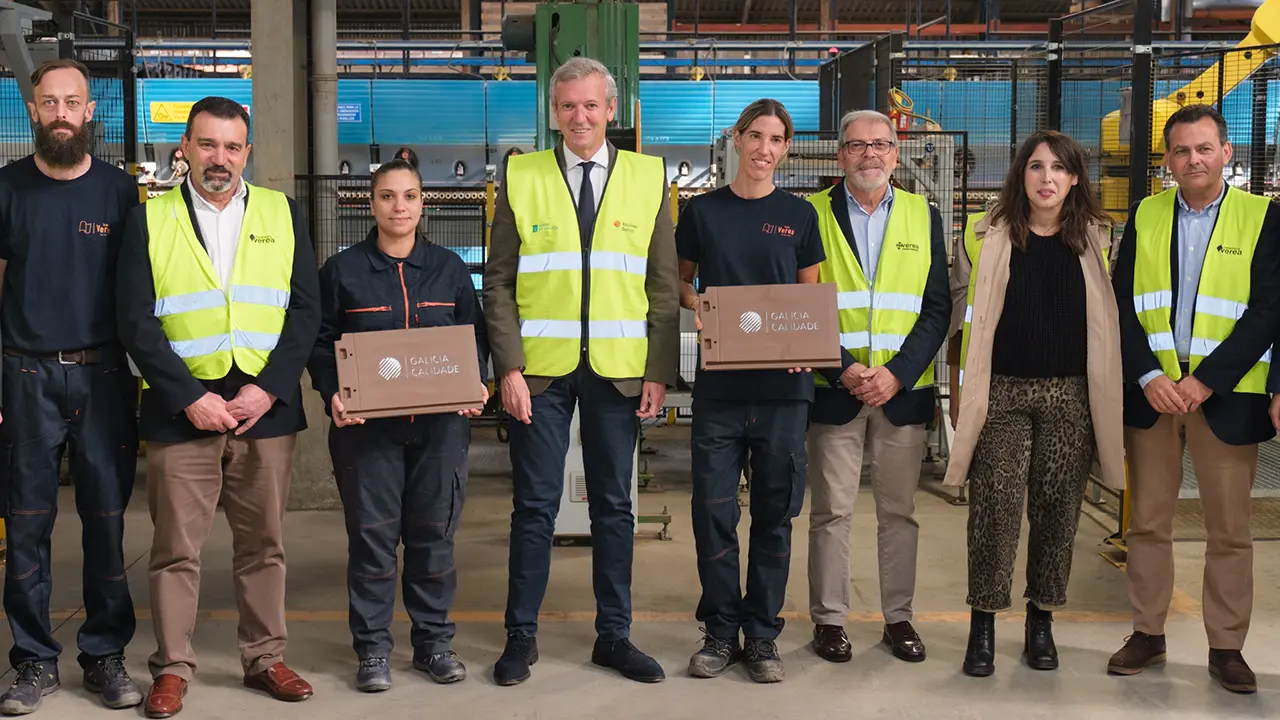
(373, 675)
(31, 682)
(763, 663)
(716, 656)
(108, 678)
(443, 667)
(622, 656)
(513, 667)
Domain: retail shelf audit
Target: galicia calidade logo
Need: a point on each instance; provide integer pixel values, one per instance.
(389, 368)
(750, 322)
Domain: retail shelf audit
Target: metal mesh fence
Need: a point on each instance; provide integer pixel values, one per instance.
(1096, 84)
(339, 216)
(1243, 85)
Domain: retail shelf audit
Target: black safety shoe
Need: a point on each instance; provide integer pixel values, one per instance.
(513, 667)
(373, 675)
(31, 682)
(763, 663)
(716, 656)
(108, 678)
(443, 667)
(622, 656)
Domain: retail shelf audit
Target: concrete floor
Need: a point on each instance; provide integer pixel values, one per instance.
(566, 685)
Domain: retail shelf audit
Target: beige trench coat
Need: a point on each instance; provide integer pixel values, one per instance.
(1106, 398)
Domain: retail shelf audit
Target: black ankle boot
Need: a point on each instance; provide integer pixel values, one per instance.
(1039, 651)
(980, 657)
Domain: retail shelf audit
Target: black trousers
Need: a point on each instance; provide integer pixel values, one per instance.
(401, 480)
(724, 434)
(90, 411)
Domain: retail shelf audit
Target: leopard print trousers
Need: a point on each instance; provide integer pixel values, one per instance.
(1037, 443)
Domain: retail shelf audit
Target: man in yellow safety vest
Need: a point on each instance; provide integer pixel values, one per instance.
(887, 255)
(1197, 281)
(580, 299)
(219, 307)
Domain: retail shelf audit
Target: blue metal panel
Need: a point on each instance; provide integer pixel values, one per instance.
(675, 112)
(184, 90)
(799, 96)
(355, 92)
(512, 104)
(429, 112)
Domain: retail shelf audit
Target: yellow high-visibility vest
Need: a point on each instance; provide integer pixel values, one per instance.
(875, 322)
(549, 282)
(1224, 281)
(207, 325)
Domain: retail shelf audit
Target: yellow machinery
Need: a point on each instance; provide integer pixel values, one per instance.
(1237, 66)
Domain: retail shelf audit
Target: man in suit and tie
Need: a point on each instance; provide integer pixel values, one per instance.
(887, 255)
(1197, 281)
(581, 299)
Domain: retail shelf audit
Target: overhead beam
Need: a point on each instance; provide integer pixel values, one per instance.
(938, 30)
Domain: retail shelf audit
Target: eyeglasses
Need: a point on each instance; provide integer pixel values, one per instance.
(858, 147)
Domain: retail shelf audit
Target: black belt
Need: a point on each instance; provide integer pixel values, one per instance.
(92, 356)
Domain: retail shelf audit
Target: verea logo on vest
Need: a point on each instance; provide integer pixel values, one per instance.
(261, 238)
(1229, 250)
(416, 366)
(908, 246)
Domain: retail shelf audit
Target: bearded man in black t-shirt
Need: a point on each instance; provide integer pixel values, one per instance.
(749, 233)
(66, 384)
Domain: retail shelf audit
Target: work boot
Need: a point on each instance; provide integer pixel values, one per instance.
(1231, 671)
(980, 656)
(715, 657)
(622, 656)
(373, 675)
(31, 682)
(108, 678)
(763, 663)
(513, 667)
(1039, 650)
(1140, 651)
(444, 667)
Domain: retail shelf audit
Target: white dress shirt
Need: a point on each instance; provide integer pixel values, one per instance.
(220, 229)
(599, 172)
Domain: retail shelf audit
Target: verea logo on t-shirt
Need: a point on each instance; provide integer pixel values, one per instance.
(775, 321)
(417, 366)
(94, 229)
(771, 229)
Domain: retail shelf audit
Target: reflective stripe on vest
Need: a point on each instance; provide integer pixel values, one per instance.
(875, 322)
(208, 327)
(1223, 293)
(549, 279)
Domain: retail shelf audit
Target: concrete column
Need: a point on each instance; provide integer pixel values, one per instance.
(280, 135)
(324, 87)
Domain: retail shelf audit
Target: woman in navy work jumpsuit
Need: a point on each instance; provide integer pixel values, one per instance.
(403, 478)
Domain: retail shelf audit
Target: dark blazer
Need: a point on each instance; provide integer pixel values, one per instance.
(835, 405)
(362, 289)
(662, 286)
(1235, 418)
(172, 388)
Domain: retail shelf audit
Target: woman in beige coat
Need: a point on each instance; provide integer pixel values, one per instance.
(1036, 342)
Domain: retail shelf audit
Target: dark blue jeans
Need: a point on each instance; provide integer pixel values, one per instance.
(89, 410)
(724, 435)
(609, 429)
(401, 480)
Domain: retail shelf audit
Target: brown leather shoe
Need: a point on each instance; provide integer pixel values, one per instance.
(831, 643)
(1231, 671)
(904, 641)
(280, 683)
(1140, 651)
(165, 697)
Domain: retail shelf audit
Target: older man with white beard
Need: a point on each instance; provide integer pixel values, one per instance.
(886, 254)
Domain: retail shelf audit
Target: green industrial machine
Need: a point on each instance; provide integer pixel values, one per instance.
(603, 30)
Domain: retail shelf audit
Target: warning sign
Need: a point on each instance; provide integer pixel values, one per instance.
(174, 112)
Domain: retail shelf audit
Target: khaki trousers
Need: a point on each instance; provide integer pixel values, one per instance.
(1225, 474)
(184, 481)
(835, 472)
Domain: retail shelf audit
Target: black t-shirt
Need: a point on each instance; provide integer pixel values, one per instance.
(61, 240)
(1043, 329)
(735, 241)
